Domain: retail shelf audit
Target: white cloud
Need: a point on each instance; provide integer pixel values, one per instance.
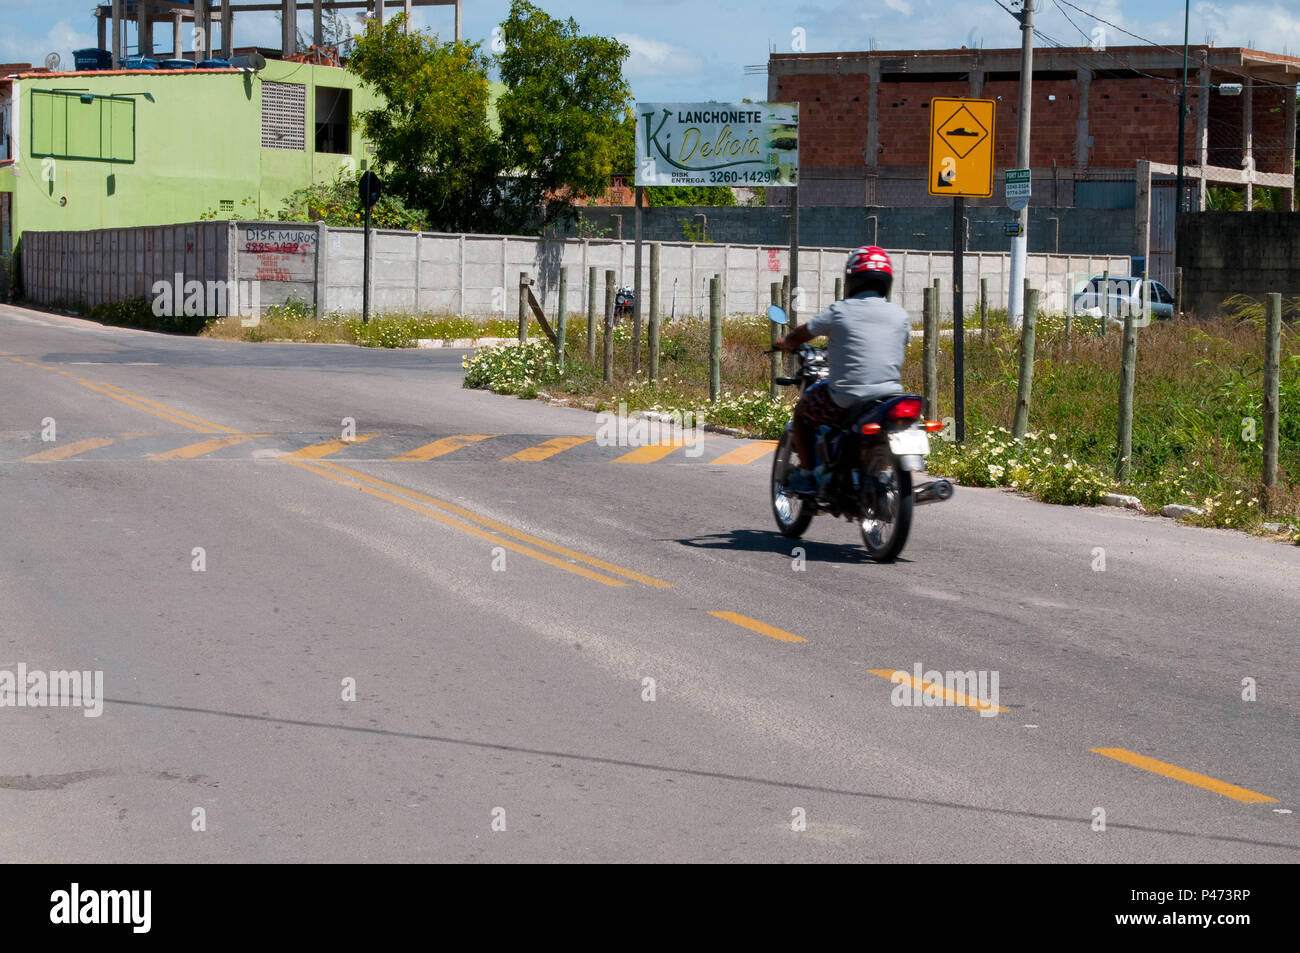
(655, 58)
(62, 38)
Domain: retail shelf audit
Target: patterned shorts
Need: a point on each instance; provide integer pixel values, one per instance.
(817, 407)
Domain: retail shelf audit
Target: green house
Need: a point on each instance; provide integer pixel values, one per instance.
(101, 149)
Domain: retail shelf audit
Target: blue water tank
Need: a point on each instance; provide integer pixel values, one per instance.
(138, 62)
(92, 59)
(176, 64)
(213, 64)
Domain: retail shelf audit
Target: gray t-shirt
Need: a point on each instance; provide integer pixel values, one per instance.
(867, 336)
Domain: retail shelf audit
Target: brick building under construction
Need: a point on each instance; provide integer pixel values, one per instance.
(865, 121)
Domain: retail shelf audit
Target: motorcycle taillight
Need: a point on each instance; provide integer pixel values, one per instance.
(905, 409)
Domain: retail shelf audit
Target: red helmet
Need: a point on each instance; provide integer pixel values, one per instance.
(868, 258)
(868, 269)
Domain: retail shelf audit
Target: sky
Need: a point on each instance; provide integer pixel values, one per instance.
(688, 51)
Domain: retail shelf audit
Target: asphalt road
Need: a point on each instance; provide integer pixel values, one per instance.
(500, 619)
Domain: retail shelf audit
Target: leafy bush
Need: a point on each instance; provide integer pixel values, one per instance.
(1033, 464)
(512, 368)
(139, 313)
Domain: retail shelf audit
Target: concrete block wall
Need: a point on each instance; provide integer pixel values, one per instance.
(1228, 253)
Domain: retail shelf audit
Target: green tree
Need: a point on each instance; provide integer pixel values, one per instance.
(432, 139)
(338, 204)
(563, 111)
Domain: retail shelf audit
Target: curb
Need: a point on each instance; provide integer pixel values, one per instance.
(464, 342)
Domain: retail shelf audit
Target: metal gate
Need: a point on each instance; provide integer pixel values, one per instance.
(1160, 261)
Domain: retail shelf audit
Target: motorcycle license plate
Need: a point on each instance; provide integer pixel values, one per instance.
(907, 442)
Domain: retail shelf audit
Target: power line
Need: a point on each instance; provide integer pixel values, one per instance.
(1225, 69)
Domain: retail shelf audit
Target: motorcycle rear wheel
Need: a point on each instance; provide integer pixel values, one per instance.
(793, 513)
(884, 532)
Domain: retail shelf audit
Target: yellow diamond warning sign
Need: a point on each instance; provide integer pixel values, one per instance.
(961, 147)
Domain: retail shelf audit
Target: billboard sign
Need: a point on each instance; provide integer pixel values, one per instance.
(734, 144)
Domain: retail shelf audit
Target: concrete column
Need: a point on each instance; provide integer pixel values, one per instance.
(406, 8)
(1202, 128)
(872, 150)
(289, 24)
(202, 29)
(317, 24)
(144, 29)
(976, 77)
(101, 30)
(117, 33)
(1288, 109)
(379, 11)
(1084, 78)
(178, 44)
(227, 30)
(1247, 147)
(1142, 211)
(458, 20)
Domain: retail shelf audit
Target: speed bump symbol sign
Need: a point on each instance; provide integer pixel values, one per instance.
(961, 147)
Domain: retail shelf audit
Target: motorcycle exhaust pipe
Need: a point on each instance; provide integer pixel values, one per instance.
(934, 492)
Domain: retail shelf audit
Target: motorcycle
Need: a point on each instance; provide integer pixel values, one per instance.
(863, 472)
(624, 296)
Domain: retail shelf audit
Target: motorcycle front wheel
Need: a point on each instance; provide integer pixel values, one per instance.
(885, 528)
(793, 513)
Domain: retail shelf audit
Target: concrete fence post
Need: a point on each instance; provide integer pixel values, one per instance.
(715, 338)
(1272, 363)
(609, 325)
(1024, 392)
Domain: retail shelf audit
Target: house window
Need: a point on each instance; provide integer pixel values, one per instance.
(82, 126)
(284, 116)
(333, 119)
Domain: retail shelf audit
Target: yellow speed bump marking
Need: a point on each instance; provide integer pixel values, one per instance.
(497, 527)
(760, 627)
(937, 690)
(548, 449)
(439, 447)
(207, 446)
(746, 454)
(69, 450)
(655, 451)
(454, 523)
(317, 450)
(1182, 774)
(156, 409)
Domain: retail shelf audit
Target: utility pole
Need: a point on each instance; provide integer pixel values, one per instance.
(1182, 113)
(1020, 244)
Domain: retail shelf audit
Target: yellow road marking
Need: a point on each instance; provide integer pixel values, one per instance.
(651, 452)
(936, 690)
(746, 454)
(761, 627)
(440, 447)
(1182, 774)
(219, 428)
(502, 528)
(69, 450)
(461, 525)
(207, 446)
(548, 449)
(138, 405)
(317, 450)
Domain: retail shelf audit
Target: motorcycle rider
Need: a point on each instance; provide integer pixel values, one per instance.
(867, 336)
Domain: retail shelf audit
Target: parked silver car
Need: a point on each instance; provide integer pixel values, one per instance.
(1123, 294)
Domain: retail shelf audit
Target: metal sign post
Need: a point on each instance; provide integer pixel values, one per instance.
(370, 190)
(961, 165)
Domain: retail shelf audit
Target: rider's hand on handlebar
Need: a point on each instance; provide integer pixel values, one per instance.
(784, 344)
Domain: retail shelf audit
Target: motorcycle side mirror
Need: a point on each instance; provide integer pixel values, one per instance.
(776, 315)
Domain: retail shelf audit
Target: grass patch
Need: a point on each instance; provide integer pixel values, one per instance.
(1198, 406)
